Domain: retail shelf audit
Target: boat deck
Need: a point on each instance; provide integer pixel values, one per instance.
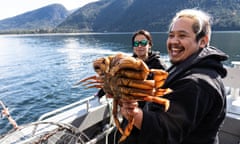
(230, 132)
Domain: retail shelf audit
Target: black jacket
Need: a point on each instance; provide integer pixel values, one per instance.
(154, 62)
(197, 103)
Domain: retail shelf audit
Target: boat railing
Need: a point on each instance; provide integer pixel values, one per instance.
(65, 108)
(53, 127)
(232, 89)
(236, 64)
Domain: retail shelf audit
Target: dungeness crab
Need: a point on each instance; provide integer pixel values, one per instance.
(123, 76)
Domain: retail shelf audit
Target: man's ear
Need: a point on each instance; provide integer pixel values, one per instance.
(204, 41)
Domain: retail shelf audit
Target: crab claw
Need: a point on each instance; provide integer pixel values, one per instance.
(94, 86)
(95, 80)
(86, 79)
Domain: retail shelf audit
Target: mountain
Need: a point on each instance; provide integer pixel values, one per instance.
(40, 19)
(154, 15)
(85, 18)
(123, 16)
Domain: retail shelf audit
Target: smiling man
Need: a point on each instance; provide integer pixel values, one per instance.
(198, 102)
(186, 36)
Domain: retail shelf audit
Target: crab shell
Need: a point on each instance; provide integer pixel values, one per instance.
(124, 76)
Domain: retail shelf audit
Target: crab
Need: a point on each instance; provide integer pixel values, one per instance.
(123, 76)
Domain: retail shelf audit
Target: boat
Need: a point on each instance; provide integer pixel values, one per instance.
(89, 121)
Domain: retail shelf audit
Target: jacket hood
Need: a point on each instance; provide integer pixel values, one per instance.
(213, 53)
(206, 58)
(211, 58)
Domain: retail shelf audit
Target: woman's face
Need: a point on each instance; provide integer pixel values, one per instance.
(141, 46)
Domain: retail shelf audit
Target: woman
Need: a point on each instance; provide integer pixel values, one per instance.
(142, 48)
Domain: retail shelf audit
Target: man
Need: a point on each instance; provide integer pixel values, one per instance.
(197, 103)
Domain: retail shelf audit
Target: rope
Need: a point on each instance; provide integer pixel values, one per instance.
(6, 113)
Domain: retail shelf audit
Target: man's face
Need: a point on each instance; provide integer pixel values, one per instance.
(181, 42)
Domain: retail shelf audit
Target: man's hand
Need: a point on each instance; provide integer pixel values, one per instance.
(130, 108)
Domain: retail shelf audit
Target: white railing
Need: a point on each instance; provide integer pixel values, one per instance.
(65, 108)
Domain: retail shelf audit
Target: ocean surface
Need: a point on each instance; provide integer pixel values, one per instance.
(38, 72)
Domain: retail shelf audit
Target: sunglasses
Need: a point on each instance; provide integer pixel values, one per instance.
(142, 43)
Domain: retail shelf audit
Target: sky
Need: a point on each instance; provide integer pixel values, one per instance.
(10, 8)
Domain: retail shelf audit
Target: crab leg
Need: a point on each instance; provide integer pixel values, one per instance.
(96, 84)
(134, 91)
(129, 73)
(125, 91)
(86, 79)
(95, 80)
(158, 100)
(127, 129)
(115, 112)
(143, 84)
(161, 92)
(149, 98)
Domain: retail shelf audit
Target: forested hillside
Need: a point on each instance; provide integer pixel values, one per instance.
(41, 20)
(155, 15)
(122, 16)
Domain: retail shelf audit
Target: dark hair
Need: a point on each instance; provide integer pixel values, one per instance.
(147, 35)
